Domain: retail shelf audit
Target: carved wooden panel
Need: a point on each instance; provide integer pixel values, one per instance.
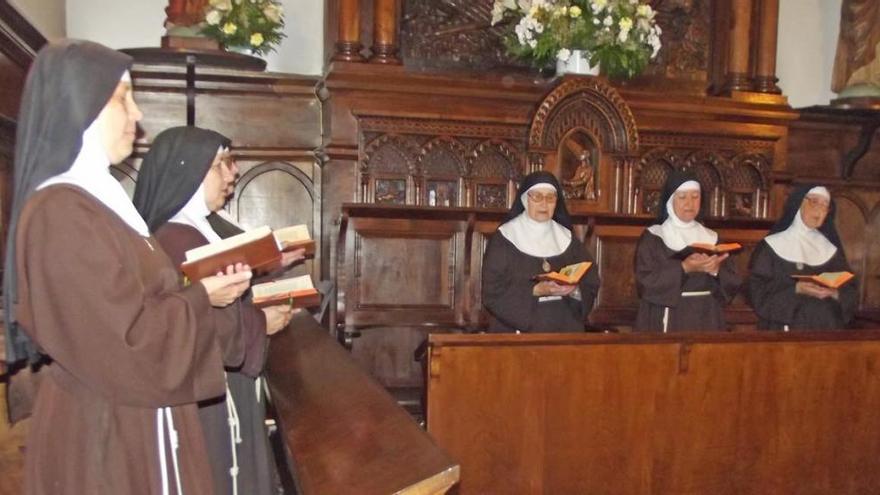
(686, 38)
(438, 163)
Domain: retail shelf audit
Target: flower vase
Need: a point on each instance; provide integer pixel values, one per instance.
(577, 63)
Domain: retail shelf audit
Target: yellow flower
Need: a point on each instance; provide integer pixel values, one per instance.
(230, 28)
(256, 39)
(574, 11)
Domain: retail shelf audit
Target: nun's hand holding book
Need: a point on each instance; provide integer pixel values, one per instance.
(227, 286)
(815, 290)
(699, 262)
(542, 289)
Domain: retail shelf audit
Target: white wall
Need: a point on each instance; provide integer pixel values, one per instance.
(138, 23)
(805, 54)
(45, 15)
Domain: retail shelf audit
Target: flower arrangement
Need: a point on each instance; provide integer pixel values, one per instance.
(621, 36)
(254, 25)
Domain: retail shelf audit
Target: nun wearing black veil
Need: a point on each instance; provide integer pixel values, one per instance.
(676, 294)
(184, 178)
(85, 284)
(803, 242)
(536, 238)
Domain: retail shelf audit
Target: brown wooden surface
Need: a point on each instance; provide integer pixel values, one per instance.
(344, 433)
(748, 413)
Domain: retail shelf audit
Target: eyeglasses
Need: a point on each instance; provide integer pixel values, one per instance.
(817, 202)
(536, 197)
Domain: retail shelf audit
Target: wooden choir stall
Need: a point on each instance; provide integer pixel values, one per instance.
(402, 159)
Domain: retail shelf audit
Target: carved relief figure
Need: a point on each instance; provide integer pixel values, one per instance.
(577, 166)
(582, 184)
(857, 64)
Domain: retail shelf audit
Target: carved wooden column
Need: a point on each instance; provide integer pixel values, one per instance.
(385, 32)
(348, 41)
(765, 70)
(738, 54)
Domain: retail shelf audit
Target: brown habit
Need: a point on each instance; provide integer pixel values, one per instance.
(104, 303)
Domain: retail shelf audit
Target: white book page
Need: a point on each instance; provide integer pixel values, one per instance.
(226, 244)
(269, 289)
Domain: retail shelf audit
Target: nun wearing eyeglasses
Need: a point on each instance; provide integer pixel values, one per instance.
(536, 238)
(681, 294)
(803, 242)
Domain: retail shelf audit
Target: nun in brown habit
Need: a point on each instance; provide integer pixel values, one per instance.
(803, 242)
(536, 238)
(85, 284)
(675, 294)
(183, 179)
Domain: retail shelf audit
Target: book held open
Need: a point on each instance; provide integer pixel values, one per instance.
(299, 292)
(295, 237)
(260, 248)
(567, 275)
(708, 249)
(830, 280)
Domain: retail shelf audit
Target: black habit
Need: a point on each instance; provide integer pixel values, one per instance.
(772, 290)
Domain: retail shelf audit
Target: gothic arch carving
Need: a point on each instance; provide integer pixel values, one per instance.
(589, 103)
(442, 156)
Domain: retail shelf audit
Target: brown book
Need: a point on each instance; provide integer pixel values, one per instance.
(830, 280)
(295, 237)
(568, 275)
(297, 292)
(709, 249)
(258, 248)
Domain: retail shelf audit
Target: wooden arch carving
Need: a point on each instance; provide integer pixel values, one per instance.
(584, 132)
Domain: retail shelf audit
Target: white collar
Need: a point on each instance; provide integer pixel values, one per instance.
(91, 172)
(195, 214)
(539, 239)
(801, 244)
(678, 234)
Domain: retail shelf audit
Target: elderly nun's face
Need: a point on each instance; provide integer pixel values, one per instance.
(686, 204)
(814, 209)
(541, 203)
(218, 182)
(119, 119)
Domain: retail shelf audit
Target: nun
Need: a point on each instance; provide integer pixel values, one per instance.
(536, 238)
(131, 353)
(681, 294)
(803, 242)
(185, 177)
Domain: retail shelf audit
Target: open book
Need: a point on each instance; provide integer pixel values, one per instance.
(295, 237)
(568, 275)
(297, 291)
(831, 280)
(709, 249)
(257, 248)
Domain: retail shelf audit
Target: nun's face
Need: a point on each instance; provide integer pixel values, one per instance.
(814, 209)
(541, 204)
(218, 181)
(686, 204)
(119, 119)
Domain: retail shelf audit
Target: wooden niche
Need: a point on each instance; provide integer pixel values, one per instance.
(584, 133)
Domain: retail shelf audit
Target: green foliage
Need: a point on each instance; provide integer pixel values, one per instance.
(256, 25)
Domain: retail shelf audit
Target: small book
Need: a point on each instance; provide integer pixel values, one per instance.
(709, 249)
(258, 248)
(568, 275)
(296, 291)
(831, 280)
(295, 237)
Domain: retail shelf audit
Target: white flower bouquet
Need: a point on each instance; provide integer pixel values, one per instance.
(621, 36)
(254, 25)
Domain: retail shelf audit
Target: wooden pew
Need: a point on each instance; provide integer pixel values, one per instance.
(720, 413)
(343, 432)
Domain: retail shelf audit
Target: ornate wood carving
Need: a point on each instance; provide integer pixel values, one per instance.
(686, 38)
(438, 163)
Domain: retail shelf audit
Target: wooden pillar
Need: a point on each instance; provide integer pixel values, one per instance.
(385, 32)
(348, 40)
(765, 69)
(738, 55)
